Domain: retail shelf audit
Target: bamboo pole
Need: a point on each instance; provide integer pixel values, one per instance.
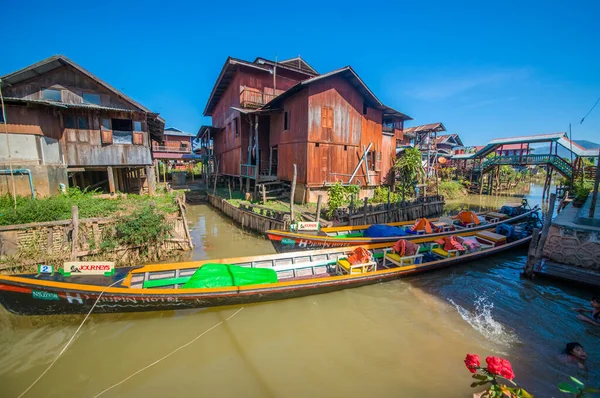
(12, 176)
(531, 260)
(75, 233)
(292, 193)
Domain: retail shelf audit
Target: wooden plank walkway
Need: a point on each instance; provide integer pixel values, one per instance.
(569, 273)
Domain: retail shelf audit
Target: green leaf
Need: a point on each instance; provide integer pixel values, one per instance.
(480, 377)
(568, 388)
(577, 381)
(589, 389)
(479, 383)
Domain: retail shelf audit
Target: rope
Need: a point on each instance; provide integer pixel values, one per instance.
(70, 340)
(168, 355)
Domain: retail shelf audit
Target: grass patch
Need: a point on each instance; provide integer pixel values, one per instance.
(452, 190)
(90, 204)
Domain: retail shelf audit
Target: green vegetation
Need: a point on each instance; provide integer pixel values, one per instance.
(145, 228)
(91, 204)
(582, 189)
(339, 195)
(452, 189)
(381, 195)
(409, 168)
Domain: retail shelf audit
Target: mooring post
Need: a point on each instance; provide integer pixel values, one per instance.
(547, 222)
(75, 232)
(387, 215)
(318, 215)
(229, 187)
(365, 210)
(530, 265)
(292, 193)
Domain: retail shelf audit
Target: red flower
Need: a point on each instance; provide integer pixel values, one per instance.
(472, 362)
(494, 365)
(506, 371)
(500, 367)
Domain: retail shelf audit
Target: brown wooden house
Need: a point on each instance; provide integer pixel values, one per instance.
(69, 127)
(331, 126)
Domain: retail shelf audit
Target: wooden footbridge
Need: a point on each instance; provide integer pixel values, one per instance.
(516, 152)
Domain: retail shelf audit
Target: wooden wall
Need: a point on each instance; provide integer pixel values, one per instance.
(291, 143)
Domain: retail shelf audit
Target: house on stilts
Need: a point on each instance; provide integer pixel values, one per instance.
(269, 116)
(66, 127)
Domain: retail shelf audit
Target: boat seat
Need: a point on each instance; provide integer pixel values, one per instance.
(446, 254)
(166, 282)
(343, 267)
(496, 239)
(401, 261)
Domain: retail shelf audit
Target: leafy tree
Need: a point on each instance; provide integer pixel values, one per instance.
(409, 168)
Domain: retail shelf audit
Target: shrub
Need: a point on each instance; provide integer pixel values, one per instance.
(582, 189)
(339, 195)
(452, 189)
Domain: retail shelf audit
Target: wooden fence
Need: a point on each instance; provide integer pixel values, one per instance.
(247, 217)
(430, 206)
(261, 219)
(56, 238)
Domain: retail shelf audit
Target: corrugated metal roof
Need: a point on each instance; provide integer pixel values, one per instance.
(66, 105)
(178, 133)
(349, 74)
(58, 61)
(425, 128)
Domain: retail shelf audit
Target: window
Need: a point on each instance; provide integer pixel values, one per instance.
(286, 120)
(51, 95)
(364, 108)
(327, 117)
(122, 137)
(372, 157)
(345, 147)
(236, 132)
(137, 126)
(89, 98)
(69, 121)
(82, 123)
(1, 114)
(105, 124)
(316, 144)
(388, 125)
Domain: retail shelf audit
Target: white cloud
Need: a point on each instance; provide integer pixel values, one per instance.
(445, 87)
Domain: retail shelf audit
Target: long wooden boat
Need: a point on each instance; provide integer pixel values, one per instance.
(162, 286)
(288, 241)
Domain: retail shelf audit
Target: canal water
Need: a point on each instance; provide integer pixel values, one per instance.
(405, 338)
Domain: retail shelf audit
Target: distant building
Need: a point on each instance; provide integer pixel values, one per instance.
(268, 116)
(66, 126)
(176, 148)
(446, 143)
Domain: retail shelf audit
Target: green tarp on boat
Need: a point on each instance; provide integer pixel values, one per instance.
(223, 275)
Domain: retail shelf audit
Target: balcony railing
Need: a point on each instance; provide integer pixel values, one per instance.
(161, 148)
(254, 99)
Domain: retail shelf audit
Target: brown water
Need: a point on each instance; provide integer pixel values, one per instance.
(404, 338)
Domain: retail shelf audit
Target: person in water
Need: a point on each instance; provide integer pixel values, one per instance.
(594, 319)
(575, 354)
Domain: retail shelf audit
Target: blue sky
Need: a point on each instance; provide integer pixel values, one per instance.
(484, 70)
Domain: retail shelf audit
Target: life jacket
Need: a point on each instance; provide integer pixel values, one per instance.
(467, 217)
(405, 248)
(453, 244)
(360, 255)
(422, 224)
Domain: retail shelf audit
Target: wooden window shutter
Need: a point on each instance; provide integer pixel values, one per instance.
(107, 137)
(324, 112)
(330, 118)
(138, 138)
(378, 161)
